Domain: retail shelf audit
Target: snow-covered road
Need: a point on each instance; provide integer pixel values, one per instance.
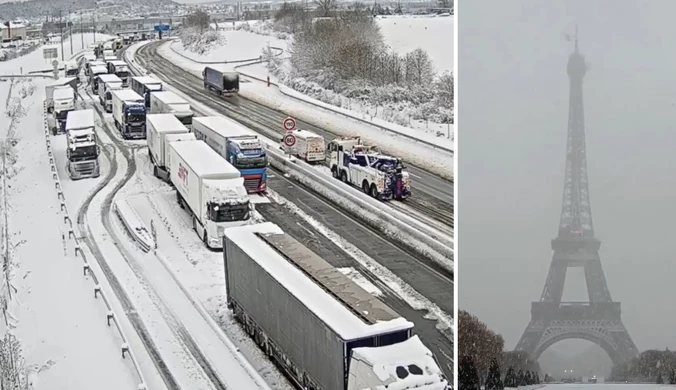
(66, 342)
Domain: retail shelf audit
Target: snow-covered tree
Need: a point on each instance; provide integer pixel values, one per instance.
(493, 381)
(510, 378)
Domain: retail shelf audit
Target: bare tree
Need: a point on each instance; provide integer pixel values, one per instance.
(444, 90)
(419, 68)
(325, 8)
(198, 20)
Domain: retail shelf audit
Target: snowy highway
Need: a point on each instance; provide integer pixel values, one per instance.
(433, 196)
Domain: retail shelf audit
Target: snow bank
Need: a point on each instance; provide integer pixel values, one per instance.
(134, 225)
(228, 46)
(437, 161)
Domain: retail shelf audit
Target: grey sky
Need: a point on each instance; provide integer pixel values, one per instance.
(512, 116)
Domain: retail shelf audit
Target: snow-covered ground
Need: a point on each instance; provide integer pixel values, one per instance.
(434, 160)
(252, 44)
(239, 45)
(66, 343)
(406, 33)
(35, 60)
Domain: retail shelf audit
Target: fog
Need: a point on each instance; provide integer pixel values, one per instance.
(512, 120)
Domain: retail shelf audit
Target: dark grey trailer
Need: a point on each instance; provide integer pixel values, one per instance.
(222, 82)
(303, 313)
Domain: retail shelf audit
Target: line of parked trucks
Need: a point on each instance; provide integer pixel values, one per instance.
(320, 327)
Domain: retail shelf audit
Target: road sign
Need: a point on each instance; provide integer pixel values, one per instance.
(162, 27)
(55, 63)
(50, 52)
(289, 124)
(289, 140)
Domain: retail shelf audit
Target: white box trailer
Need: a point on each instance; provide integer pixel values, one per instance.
(326, 331)
(64, 102)
(81, 120)
(49, 89)
(309, 146)
(158, 126)
(211, 188)
(108, 83)
(167, 102)
(168, 139)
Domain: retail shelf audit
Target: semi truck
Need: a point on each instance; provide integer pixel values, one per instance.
(238, 146)
(107, 84)
(210, 188)
(167, 102)
(380, 176)
(320, 327)
(82, 150)
(71, 69)
(70, 82)
(223, 83)
(120, 69)
(64, 102)
(309, 146)
(168, 139)
(144, 85)
(129, 114)
(158, 127)
(94, 72)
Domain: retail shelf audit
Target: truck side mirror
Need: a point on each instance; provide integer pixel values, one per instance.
(98, 151)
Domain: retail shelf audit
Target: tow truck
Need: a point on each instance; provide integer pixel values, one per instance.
(380, 176)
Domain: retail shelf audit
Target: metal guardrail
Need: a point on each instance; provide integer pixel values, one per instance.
(86, 268)
(133, 224)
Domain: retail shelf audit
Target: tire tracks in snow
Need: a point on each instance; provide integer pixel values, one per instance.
(172, 320)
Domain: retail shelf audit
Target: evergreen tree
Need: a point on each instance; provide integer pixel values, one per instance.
(659, 378)
(537, 378)
(527, 378)
(672, 377)
(510, 378)
(468, 376)
(520, 379)
(493, 381)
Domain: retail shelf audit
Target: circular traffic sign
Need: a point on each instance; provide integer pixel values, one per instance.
(55, 63)
(289, 140)
(289, 124)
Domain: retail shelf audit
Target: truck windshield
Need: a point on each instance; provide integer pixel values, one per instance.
(186, 120)
(83, 151)
(252, 159)
(123, 74)
(229, 212)
(136, 117)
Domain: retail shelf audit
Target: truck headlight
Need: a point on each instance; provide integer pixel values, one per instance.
(220, 230)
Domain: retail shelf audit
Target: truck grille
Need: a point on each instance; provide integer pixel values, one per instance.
(251, 184)
(84, 168)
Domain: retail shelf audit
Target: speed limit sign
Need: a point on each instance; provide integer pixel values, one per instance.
(289, 140)
(289, 124)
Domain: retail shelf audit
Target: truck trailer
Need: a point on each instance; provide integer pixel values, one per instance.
(71, 69)
(319, 326)
(94, 72)
(82, 149)
(144, 85)
(309, 146)
(49, 90)
(158, 126)
(210, 188)
(120, 69)
(64, 102)
(238, 146)
(129, 114)
(167, 102)
(108, 83)
(223, 83)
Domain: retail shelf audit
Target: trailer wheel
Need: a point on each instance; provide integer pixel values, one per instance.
(180, 203)
(204, 238)
(334, 172)
(365, 186)
(343, 176)
(374, 191)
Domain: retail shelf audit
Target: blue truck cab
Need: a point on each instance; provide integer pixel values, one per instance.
(129, 112)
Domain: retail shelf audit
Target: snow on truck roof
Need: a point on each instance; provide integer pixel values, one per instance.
(117, 62)
(169, 97)
(220, 124)
(63, 93)
(80, 119)
(272, 250)
(97, 69)
(165, 122)
(306, 134)
(127, 95)
(202, 159)
(147, 80)
(107, 78)
(61, 81)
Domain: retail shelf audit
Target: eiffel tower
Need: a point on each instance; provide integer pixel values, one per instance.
(597, 320)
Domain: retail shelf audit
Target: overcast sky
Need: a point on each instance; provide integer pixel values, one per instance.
(512, 120)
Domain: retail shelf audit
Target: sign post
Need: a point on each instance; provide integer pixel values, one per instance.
(55, 64)
(289, 139)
